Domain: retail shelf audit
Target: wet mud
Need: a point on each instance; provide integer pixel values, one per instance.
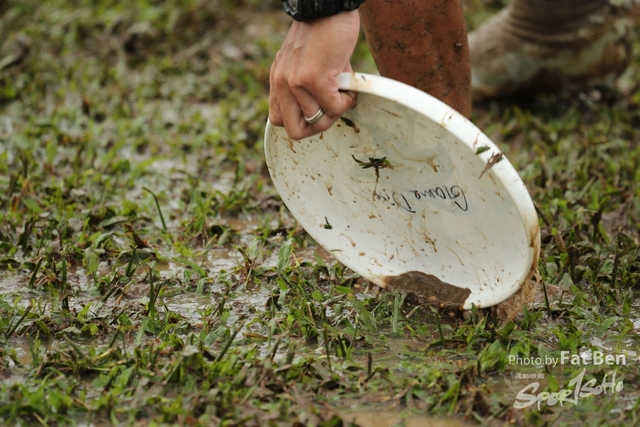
(390, 418)
(427, 289)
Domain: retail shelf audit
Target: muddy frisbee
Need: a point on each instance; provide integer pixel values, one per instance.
(411, 195)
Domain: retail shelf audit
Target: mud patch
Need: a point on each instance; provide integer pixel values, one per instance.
(389, 418)
(428, 289)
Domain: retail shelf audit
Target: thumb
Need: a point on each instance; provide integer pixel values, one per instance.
(334, 101)
(352, 95)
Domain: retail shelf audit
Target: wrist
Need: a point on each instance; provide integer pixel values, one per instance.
(307, 10)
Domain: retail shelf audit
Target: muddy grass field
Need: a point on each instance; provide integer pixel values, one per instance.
(151, 275)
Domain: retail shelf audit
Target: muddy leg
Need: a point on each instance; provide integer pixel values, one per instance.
(422, 43)
(549, 45)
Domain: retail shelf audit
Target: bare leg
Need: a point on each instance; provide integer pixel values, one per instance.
(422, 43)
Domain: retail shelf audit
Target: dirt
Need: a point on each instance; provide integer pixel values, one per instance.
(389, 418)
(428, 289)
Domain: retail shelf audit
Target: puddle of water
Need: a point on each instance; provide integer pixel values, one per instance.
(222, 259)
(244, 224)
(23, 352)
(391, 418)
(13, 283)
(188, 305)
(614, 348)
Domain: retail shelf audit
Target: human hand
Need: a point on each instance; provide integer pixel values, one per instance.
(304, 74)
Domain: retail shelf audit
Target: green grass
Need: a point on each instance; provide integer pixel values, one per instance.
(150, 274)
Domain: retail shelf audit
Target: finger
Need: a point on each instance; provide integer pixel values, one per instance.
(292, 115)
(338, 101)
(350, 93)
(328, 95)
(310, 109)
(275, 114)
(282, 100)
(284, 107)
(296, 104)
(308, 105)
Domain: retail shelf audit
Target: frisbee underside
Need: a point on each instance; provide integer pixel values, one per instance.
(433, 218)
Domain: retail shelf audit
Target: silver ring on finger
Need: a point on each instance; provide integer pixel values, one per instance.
(317, 116)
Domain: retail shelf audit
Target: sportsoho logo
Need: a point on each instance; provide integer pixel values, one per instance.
(576, 388)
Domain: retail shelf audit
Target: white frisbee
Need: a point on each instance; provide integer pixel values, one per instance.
(411, 195)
